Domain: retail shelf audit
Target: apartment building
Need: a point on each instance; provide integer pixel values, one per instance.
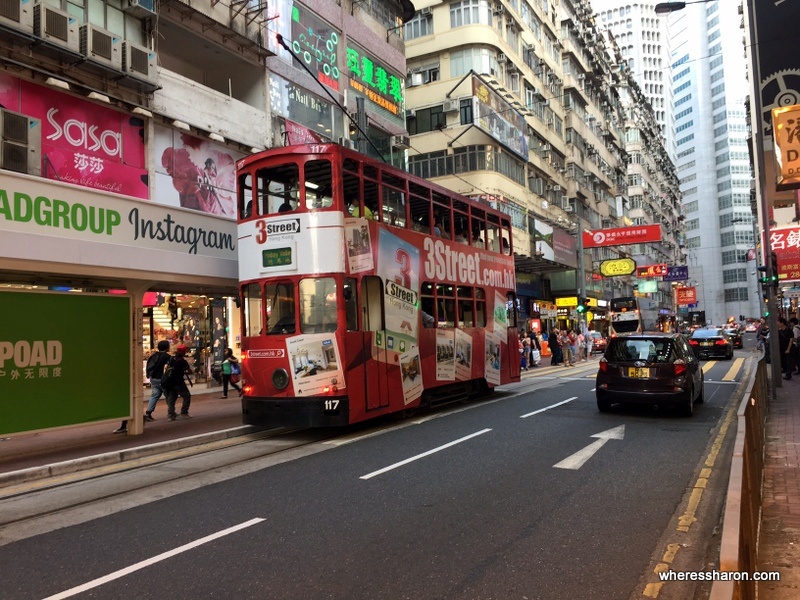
(528, 106)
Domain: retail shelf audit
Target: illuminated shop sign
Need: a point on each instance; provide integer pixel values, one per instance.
(374, 81)
(316, 44)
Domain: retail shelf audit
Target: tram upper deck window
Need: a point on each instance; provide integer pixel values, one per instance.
(279, 300)
(318, 179)
(277, 190)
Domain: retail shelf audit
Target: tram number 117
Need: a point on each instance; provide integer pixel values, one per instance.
(331, 405)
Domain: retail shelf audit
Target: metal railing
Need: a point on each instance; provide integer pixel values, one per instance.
(740, 526)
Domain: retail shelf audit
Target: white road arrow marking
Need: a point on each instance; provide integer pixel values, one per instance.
(577, 460)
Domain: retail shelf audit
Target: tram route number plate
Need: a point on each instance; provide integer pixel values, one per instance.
(276, 257)
(639, 373)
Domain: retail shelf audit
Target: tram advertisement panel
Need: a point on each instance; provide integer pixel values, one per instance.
(315, 361)
(412, 375)
(445, 355)
(398, 266)
(55, 370)
(493, 357)
(359, 247)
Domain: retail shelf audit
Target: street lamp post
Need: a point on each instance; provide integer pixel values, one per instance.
(663, 8)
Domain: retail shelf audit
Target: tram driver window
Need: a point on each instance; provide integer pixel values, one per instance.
(280, 302)
(318, 305)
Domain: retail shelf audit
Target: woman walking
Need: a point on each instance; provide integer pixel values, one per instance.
(230, 368)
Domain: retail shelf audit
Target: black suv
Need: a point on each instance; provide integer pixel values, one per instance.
(650, 368)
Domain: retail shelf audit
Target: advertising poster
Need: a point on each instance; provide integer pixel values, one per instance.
(410, 367)
(82, 143)
(463, 355)
(398, 266)
(500, 315)
(359, 247)
(195, 173)
(315, 361)
(493, 358)
(53, 370)
(445, 355)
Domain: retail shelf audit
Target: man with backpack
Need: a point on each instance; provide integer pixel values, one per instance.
(174, 381)
(154, 372)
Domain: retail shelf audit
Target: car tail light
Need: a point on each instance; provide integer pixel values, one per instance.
(694, 343)
(721, 343)
(603, 365)
(680, 367)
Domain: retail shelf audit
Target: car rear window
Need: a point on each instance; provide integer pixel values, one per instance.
(707, 333)
(656, 350)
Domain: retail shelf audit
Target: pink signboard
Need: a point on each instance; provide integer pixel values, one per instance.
(82, 143)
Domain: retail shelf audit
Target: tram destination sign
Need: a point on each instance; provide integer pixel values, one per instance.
(276, 257)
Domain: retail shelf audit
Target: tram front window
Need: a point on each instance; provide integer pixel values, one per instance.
(280, 307)
(318, 305)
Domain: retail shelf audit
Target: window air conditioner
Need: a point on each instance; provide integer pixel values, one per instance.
(56, 27)
(451, 105)
(401, 141)
(140, 8)
(139, 62)
(415, 79)
(425, 11)
(17, 14)
(20, 143)
(411, 113)
(101, 46)
(556, 188)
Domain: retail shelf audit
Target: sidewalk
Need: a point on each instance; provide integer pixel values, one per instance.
(779, 543)
(212, 418)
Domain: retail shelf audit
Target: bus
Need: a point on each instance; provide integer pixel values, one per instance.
(365, 290)
(632, 314)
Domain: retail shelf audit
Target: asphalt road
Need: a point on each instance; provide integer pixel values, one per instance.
(464, 503)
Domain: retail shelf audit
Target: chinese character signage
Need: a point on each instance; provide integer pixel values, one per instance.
(316, 44)
(82, 143)
(373, 80)
(677, 273)
(53, 373)
(686, 295)
(617, 267)
(499, 119)
(786, 129)
(622, 236)
(785, 244)
(658, 270)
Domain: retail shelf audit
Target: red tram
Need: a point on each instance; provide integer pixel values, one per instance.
(366, 290)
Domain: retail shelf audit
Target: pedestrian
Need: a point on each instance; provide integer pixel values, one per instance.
(555, 347)
(536, 349)
(523, 360)
(589, 341)
(155, 371)
(566, 347)
(760, 333)
(177, 384)
(230, 368)
(785, 345)
(581, 342)
(794, 364)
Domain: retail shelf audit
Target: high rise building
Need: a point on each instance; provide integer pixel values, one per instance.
(710, 88)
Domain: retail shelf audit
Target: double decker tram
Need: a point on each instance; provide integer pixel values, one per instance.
(366, 290)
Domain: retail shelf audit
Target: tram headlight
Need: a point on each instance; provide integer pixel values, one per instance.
(280, 379)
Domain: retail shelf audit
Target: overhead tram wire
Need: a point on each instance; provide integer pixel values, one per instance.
(378, 152)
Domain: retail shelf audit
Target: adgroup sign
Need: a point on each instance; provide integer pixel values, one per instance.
(56, 371)
(622, 236)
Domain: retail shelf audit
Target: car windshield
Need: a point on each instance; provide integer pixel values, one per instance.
(654, 350)
(707, 333)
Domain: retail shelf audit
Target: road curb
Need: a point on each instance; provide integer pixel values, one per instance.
(119, 456)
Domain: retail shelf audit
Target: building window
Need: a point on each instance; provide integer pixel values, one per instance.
(468, 12)
(420, 26)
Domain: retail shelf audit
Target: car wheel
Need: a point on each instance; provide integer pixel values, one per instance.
(687, 408)
(603, 405)
(701, 397)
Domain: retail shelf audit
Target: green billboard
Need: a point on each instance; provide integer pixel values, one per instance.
(64, 359)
